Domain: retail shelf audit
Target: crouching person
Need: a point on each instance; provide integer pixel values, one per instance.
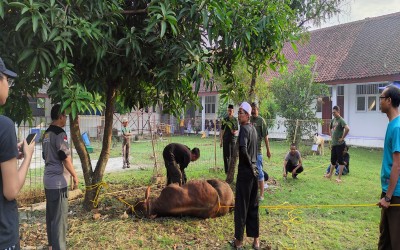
(293, 162)
(177, 157)
(346, 161)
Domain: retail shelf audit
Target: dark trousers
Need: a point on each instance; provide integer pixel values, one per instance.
(14, 247)
(125, 153)
(337, 154)
(246, 208)
(228, 146)
(290, 167)
(174, 173)
(389, 227)
(56, 217)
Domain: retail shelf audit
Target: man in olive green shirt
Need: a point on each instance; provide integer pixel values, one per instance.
(338, 131)
(228, 136)
(126, 143)
(262, 135)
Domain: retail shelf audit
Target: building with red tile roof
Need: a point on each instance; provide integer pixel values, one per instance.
(354, 59)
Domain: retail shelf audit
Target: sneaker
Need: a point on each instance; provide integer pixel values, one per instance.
(123, 167)
(261, 198)
(128, 166)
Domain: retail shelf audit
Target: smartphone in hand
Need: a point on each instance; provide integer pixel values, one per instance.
(29, 140)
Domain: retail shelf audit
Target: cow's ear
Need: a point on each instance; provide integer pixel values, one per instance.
(147, 193)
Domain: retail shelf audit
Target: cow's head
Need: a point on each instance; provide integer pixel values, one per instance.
(142, 208)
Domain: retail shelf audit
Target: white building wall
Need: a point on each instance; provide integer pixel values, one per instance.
(364, 123)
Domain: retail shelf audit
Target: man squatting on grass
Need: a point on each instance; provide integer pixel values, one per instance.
(262, 134)
(246, 203)
(293, 162)
(12, 177)
(389, 227)
(176, 158)
(338, 131)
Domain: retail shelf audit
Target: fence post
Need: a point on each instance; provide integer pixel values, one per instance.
(295, 131)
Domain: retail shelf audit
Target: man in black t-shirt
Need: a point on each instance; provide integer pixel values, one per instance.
(246, 202)
(177, 157)
(12, 177)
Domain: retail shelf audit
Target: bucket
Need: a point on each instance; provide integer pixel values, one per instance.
(85, 138)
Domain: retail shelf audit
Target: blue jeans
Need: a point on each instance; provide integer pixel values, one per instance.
(260, 167)
(345, 170)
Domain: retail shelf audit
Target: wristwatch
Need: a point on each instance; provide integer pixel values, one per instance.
(387, 199)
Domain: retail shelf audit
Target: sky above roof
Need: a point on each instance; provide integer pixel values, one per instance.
(354, 10)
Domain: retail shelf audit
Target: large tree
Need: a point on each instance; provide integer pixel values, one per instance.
(136, 53)
(296, 94)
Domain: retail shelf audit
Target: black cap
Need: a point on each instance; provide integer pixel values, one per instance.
(5, 71)
(230, 106)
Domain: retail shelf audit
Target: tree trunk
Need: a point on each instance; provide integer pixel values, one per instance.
(232, 164)
(94, 178)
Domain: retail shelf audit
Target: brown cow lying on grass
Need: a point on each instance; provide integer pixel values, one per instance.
(197, 198)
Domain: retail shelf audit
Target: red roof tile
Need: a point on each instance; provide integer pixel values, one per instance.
(361, 49)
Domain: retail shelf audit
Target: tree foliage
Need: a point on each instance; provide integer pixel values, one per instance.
(295, 95)
(137, 53)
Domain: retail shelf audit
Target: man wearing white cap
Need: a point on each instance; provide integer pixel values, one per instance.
(126, 143)
(246, 202)
(12, 177)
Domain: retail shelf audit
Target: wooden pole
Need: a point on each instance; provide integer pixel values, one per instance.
(295, 131)
(155, 170)
(215, 143)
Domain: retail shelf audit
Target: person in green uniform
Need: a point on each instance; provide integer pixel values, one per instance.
(338, 131)
(262, 135)
(126, 143)
(228, 136)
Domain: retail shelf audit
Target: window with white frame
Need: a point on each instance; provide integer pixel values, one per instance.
(210, 104)
(368, 97)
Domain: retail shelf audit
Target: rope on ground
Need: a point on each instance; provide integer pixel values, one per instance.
(291, 207)
(97, 186)
(293, 218)
(104, 185)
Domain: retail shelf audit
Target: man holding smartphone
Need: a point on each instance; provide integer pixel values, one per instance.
(12, 178)
(57, 157)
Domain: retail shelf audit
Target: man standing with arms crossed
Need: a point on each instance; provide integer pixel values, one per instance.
(338, 131)
(57, 157)
(262, 135)
(227, 136)
(389, 227)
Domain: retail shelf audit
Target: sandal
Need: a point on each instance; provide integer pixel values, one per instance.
(232, 243)
(255, 247)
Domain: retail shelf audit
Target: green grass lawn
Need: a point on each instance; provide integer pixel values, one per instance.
(341, 227)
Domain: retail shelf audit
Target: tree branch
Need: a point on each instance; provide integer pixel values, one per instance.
(134, 11)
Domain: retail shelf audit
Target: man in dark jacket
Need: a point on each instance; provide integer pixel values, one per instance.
(177, 157)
